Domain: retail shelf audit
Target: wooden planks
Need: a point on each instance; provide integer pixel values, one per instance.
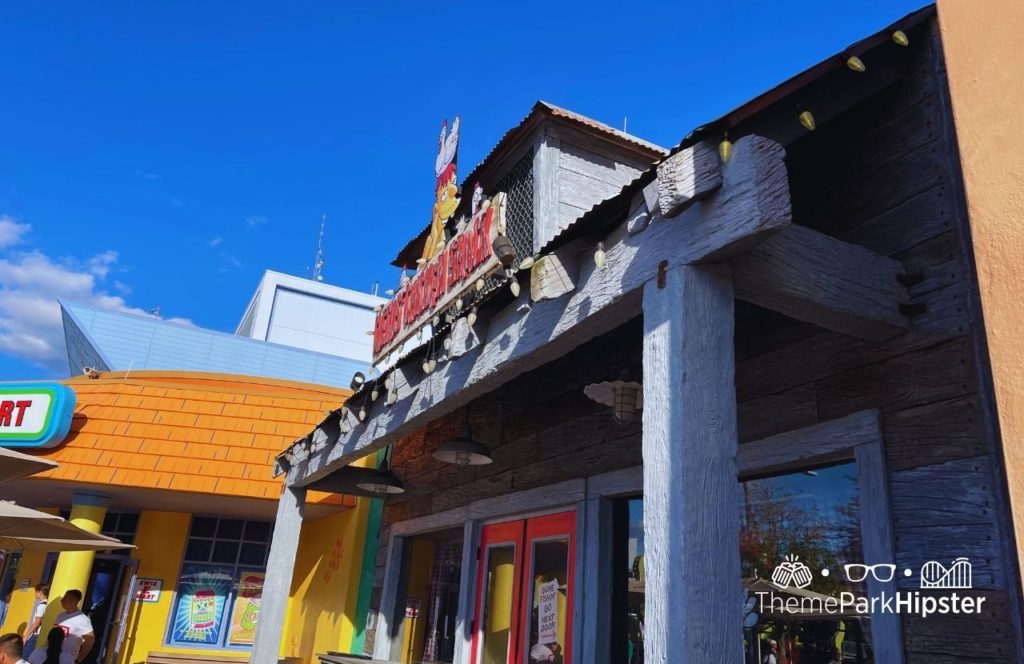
(688, 176)
(691, 525)
(815, 278)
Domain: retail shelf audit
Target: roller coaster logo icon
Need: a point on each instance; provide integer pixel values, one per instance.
(957, 576)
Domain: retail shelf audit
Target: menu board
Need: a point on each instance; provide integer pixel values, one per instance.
(247, 609)
(202, 599)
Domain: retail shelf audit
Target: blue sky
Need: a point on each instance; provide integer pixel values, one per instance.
(165, 154)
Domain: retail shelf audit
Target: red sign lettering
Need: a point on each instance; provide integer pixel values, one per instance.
(7, 411)
(465, 259)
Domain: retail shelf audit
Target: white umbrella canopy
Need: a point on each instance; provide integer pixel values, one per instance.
(24, 529)
(98, 543)
(15, 465)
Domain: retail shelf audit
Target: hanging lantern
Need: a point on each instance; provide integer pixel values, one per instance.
(426, 366)
(599, 256)
(625, 397)
(807, 120)
(381, 483)
(480, 283)
(362, 413)
(856, 64)
(504, 251)
(900, 38)
(725, 149)
(392, 398)
(471, 318)
(527, 263)
(513, 286)
(375, 393)
(345, 426)
(463, 450)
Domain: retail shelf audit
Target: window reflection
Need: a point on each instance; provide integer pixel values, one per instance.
(429, 600)
(809, 518)
(628, 591)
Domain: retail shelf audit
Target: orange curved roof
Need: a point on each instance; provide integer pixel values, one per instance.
(187, 431)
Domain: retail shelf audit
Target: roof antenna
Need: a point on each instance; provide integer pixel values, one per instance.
(318, 264)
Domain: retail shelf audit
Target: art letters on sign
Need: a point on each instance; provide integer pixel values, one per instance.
(547, 612)
(148, 590)
(35, 414)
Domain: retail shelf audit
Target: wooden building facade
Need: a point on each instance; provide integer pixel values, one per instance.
(792, 290)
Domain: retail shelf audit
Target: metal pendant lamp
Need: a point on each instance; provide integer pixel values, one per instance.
(382, 482)
(464, 450)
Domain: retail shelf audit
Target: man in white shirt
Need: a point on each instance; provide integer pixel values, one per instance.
(77, 628)
(36, 619)
(10, 649)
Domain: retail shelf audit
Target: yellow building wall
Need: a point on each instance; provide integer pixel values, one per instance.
(325, 583)
(982, 43)
(21, 601)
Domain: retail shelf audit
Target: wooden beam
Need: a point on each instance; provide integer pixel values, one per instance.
(687, 176)
(694, 597)
(277, 587)
(824, 442)
(815, 278)
(752, 202)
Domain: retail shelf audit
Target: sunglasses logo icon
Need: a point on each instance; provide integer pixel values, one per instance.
(882, 572)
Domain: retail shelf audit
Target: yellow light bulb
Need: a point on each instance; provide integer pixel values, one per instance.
(725, 150)
(480, 284)
(599, 256)
(514, 287)
(527, 263)
(900, 38)
(856, 64)
(807, 120)
(471, 318)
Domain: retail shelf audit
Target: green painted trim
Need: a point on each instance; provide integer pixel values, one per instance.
(368, 570)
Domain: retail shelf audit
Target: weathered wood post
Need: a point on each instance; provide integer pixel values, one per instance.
(278, 583)
(693, 603)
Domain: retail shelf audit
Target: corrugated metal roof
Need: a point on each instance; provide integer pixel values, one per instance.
(589, 221)
(413, 249)
(130, 341)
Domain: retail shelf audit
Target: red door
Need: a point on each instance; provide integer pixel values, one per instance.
(523, 611)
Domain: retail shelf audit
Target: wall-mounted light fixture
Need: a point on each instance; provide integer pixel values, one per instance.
(625, 397)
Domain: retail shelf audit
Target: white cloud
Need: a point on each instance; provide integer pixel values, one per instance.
(216, 241)
(12, 232)
(254, 220)
(30, 283)
(228, 261)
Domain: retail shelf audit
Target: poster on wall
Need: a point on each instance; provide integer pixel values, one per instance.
(247, 609)
(202, 600)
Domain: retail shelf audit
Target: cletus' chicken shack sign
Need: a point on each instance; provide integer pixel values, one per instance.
(35, 414)
(453, 272)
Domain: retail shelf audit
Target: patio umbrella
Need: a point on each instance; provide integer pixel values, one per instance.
(15, 465)
(21, 527)
(98, 543)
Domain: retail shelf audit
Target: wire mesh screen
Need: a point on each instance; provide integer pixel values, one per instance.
(518, 186)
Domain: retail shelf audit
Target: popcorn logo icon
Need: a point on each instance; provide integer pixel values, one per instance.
(792, 572)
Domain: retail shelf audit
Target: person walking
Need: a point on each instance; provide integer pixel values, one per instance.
(78, 632)
(36, 619)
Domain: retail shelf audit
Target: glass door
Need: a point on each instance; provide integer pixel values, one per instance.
(524, 591)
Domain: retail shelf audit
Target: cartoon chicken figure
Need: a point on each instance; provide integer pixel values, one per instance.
(446, 191)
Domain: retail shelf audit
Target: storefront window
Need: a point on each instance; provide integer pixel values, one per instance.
(798, 524)
(628, 591)
(429, 599)
(217, 602)
(811, 517)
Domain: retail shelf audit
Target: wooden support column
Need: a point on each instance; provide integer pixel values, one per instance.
(278, 584)
(694, 597)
